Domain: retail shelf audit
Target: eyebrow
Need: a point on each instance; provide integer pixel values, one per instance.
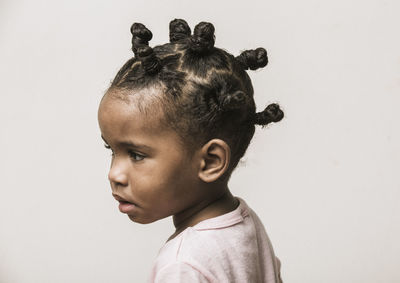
(129, 144)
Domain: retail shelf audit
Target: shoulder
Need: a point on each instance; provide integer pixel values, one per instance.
(185, 255)
(181, 272)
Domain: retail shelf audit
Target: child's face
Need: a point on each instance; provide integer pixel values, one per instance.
(156, 175)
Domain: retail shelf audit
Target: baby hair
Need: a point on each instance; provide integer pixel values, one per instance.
(206, 92)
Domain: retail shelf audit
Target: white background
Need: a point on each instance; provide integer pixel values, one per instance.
(324, 180)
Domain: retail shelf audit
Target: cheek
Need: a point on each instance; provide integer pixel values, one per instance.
(152, 177)
(162, 179)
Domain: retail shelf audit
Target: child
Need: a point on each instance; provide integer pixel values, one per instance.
(178, 117)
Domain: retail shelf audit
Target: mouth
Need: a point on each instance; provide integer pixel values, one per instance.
(121, 199)
(124, 205)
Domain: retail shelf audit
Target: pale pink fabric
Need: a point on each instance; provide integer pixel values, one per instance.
(233, 247)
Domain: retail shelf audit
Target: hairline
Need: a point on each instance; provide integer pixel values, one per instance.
(155, 100)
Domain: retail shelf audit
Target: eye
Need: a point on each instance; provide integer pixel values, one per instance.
(135, 156)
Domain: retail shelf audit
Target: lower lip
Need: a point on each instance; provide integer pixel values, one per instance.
(126, 207)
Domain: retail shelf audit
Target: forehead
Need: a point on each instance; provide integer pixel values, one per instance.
(127, 106)
(122, 120)
(145, 100)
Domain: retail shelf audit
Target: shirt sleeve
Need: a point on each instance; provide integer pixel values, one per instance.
(180, 272)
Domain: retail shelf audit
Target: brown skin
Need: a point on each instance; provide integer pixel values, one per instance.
(162, 180)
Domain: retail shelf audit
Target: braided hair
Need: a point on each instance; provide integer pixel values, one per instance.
(206, 91)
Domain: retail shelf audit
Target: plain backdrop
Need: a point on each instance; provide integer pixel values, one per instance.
(324, 180)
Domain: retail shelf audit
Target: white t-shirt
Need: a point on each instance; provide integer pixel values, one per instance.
(233, 247)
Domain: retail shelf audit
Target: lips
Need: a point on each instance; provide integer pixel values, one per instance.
(121, 199)
(124, 205)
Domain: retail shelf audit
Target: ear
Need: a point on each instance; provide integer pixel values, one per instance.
(215, 157)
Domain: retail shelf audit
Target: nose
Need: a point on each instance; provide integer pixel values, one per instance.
(117, 175)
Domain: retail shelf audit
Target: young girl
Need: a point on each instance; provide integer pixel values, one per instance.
(178, 117)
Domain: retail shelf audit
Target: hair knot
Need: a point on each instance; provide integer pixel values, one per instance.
(140, 36)
(178, 29)
(253, 59)
(150, 62)
(234, 100)
(270, 114)
(203, 38)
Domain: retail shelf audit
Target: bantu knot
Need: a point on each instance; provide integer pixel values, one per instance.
(150, 62)
(140, 36)
(270, 114)
(178, 29)
(203, 37)
(234, 100)
(253, 59)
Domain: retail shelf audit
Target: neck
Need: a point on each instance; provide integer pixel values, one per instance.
(205, 209)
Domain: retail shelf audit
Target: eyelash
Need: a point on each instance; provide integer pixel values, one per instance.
(131, 153)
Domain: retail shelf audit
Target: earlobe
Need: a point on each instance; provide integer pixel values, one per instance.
(215, 159)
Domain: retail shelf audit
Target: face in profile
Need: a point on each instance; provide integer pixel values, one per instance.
(149, 167)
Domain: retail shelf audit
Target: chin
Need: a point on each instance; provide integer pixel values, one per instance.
(140, 221)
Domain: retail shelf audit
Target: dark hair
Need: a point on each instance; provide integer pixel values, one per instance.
(206, 91)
